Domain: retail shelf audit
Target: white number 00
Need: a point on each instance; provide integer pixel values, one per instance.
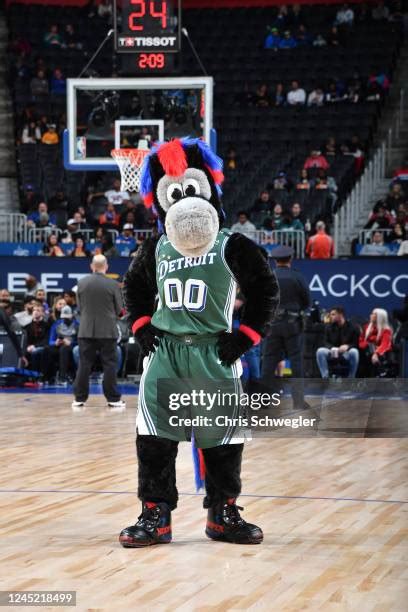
(192, 296)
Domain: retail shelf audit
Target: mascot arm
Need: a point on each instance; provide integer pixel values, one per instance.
(249, 264)
(140, 289)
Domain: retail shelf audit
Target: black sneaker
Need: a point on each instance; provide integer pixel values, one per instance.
(153, 527)
(225, 524)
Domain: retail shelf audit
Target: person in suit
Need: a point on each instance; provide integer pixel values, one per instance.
(100, 302)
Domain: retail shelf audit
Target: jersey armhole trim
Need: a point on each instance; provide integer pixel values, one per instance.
(224, 244)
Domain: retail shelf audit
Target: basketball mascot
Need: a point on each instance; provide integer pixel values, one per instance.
(180, 291)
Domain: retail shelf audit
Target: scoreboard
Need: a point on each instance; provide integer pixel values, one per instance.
(149, 33)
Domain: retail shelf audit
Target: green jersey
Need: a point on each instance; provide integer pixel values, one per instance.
(196, 294)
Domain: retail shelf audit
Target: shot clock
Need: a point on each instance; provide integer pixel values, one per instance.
(147, 27)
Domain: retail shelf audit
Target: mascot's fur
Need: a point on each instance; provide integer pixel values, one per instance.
(181, 180)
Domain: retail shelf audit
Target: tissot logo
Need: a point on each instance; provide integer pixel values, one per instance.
(149, 41)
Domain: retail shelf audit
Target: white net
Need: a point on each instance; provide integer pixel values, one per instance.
(130, 163)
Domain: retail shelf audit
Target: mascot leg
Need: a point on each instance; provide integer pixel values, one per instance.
(157, 491)
(223, 485)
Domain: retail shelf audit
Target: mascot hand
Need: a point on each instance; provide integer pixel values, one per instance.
(232, 346)
(148, 338)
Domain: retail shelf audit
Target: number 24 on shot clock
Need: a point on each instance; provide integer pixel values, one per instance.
(147, 26)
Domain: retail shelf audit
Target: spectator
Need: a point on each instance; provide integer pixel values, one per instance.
(33, 219)
(379, 78)
(296, 216)
(105, 10)
(328, 183)
(403, 249)
(57, 306)
(71, 39)
(334, 94)
(58, 83)
(70, 298)
(52, 248)
(78, 221)
(25, 316)
(139, 213)
(316, 97)
(341, 339)
(279, 97)
(330, 147)
(302, 36)
(5, 295)
(107, 247)
(272, 39)
(380, 12)
(261, 96)
(380, 218)
(334, 38)
(52, 38)
(36, 338)
(316, 160)
(402, 215)
(50, 137)
(376, 247)
(127, 236)
(277, 217)
(303, 181)
(39, 86)
(263, 204)
(31, 134)
(30, 199)
(41, 297)
(244, 226)
(80, 248)
(32, 285)
(58, 201)
(344, 16)
(297, 95)
(282, 182)
(401, 174)
(232, 161)
(354, 92)
(319, 41)
(282, 18)
(398, 234)
(376, 340)
(321, 245)
(115, 196)
(395, 197)
(110, 218)
(63, 338)
(287, 41)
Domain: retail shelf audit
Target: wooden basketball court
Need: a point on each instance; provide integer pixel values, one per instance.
(334, 514)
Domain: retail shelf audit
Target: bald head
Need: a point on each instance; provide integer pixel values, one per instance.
(99, 264)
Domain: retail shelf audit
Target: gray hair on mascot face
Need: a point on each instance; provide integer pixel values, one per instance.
(182, 179)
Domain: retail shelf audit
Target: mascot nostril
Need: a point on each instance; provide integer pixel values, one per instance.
(192, 226)
(180, 294)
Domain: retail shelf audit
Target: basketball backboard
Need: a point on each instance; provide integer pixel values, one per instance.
(104, 114)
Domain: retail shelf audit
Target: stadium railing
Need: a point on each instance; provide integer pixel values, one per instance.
(348, 215)
(13, 227)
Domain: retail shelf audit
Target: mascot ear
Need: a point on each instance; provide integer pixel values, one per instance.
(194, 157)
(156, 169)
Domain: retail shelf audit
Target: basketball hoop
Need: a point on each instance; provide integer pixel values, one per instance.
(130, 163)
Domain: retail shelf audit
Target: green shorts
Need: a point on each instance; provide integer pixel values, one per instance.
(186, 391)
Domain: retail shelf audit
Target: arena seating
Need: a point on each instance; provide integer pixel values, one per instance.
(230, 43)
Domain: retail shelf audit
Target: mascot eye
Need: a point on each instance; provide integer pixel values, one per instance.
(191, 187)
(174, 192)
